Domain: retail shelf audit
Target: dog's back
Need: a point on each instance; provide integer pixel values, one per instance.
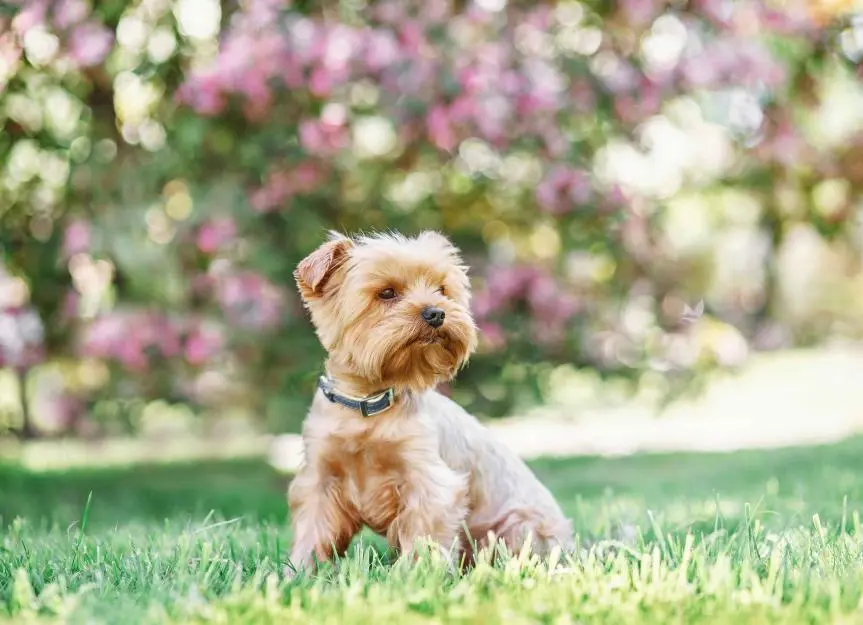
(506, 498)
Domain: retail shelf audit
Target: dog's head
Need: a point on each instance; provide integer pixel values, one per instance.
(393, 310)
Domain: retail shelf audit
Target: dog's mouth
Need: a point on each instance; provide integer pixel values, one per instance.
(426, 356)
(431, 336)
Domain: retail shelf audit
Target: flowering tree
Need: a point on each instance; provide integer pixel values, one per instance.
(168, 163)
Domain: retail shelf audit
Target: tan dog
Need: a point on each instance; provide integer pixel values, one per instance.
(382, 447)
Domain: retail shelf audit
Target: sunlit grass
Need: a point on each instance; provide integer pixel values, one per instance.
(754, 537)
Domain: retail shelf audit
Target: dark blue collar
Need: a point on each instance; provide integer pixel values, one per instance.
(367, 406)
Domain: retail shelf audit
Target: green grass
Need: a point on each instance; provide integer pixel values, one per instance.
(754, 537)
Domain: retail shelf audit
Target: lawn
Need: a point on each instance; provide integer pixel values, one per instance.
(753, 537)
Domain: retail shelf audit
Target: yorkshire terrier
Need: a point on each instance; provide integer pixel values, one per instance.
(382, 447)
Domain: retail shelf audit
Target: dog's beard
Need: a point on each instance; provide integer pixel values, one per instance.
(415, 355)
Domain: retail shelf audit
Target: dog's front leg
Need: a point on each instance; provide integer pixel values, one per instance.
(321, 520)
(433, 508)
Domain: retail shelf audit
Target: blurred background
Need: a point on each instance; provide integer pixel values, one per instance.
(652, 196)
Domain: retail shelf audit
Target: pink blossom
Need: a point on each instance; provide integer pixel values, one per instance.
(292, 73)
(532, 103)
(90, 43)
(701, 71)
(757, 65)
(323, 138)
(259, 13)
(784, 144)
(77, 238)
(10, 56)
(540, 17)
(262, 200)
(639, 13)
(277, 189)
(563, 189)
(791, 20)
(281, 185)
(412, 37)
(434, 11)
(390, 11)
(202, 284)
(615, 198)
(483, 304)
(168, 340)
(440, 131)
(102, 334)
(256, 110)
(542, 291)
(551, 306)
(342, 45)
(504, 285)
(718, 11)
(556, 143)
(381, 50)
(215, 234)
(321, 82)
(471, 79)
(203, 92)
(493, 118)
(61, 409)
(733, 61)
(157, 333)
(21, 337)
(306, 39)
(131, 355)
(632, 108)
(507, 283)
(252, 84)
(69, 307)
(69, 12)
(492, 336)
(306, 177)
(476, 16)
(548, 303)
(132, 339)
(511, 82)
(463, 109)
(249, 300)
(31, 15)
(202, 344)
(624, 78)
(547, 333)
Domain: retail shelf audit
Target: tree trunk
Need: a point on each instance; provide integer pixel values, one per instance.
(28, 431)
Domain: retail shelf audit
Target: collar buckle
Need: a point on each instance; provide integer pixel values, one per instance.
(388, 397)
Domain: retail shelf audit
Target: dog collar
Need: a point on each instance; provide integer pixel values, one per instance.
(367, 406)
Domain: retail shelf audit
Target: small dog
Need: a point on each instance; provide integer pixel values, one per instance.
(382, 447)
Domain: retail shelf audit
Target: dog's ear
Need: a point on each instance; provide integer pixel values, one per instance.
(315, 269)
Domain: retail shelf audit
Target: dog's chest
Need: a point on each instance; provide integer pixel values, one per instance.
(374, 479)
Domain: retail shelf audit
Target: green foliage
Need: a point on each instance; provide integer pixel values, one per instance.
(552, 162)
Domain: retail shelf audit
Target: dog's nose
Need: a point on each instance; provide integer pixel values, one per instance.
(433, 316)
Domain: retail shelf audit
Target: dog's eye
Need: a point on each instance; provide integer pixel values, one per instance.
(387, 294)
(442, 290)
